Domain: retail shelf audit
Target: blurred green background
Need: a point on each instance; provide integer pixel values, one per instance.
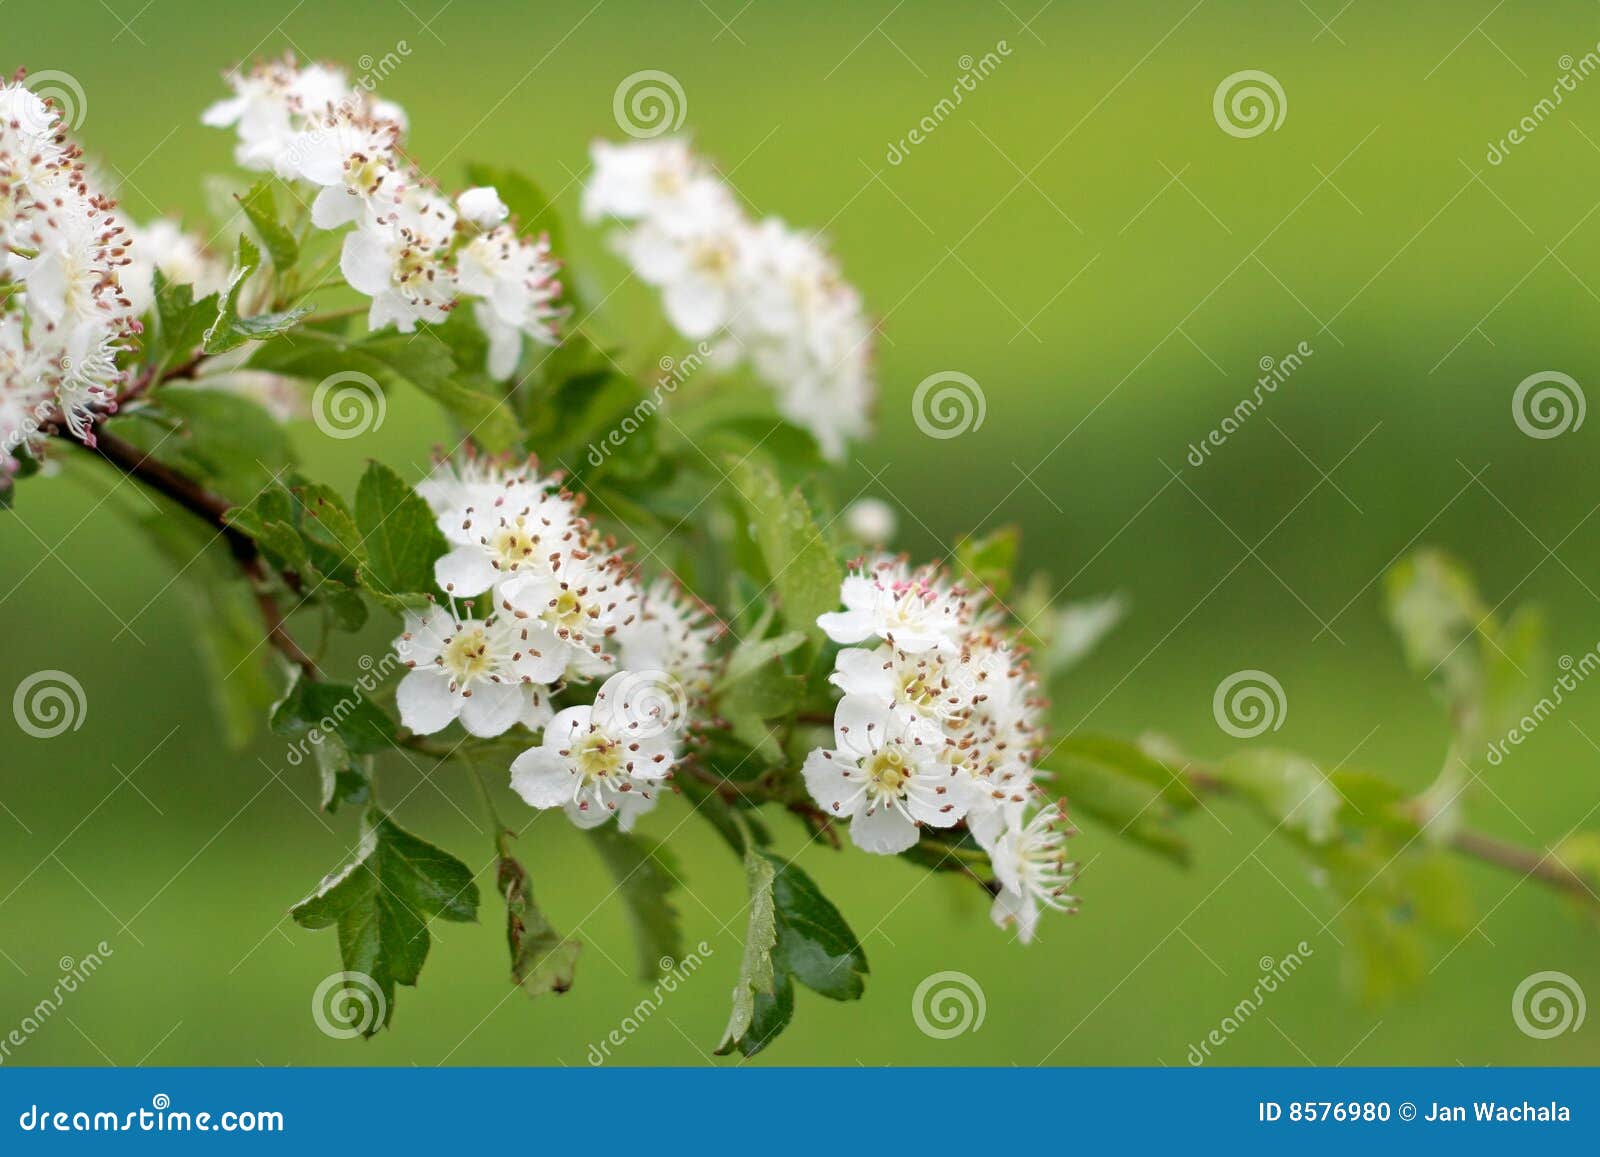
(1082, 238)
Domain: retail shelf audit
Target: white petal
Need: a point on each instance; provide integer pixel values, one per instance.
(860, 724)
(365, 262)
(493, 708)
(833, 781)
(426, 702)
(696, 306)
(335, 206)
(631, 805)
(857, 671)
(939, 796)
(883, 830)
(424, 635)
(465, 571)
(542, 778)
(846, 626)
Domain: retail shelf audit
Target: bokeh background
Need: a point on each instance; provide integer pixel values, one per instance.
(1083, 239)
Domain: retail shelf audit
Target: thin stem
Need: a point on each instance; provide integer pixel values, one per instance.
(1524, 862)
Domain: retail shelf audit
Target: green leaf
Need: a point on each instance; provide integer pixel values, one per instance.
(794, 933)
(815, 945)
(1479, 664)
(1289, 790)
(989, 563)
(343, 778)
(756, 977)
(645, 875)
(541, 959)
(224, 617)
(228, 443)
(181, 322)
(534, 212)
(330, 532)
(1120, 786)
(798, 557)
(220, 336)
(261, 207)
(402, 537)
(340, 709)
(381, 903)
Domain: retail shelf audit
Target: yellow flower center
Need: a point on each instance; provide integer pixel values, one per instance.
(597, 757)
(466, 655)
(513, 545)
(887, 771)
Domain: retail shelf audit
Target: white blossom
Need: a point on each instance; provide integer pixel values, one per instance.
(1031, 867)
(592, 764)
(915, 610)
(491, 674)
(885, 776)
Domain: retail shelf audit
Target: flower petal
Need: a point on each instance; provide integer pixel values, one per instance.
(426, 702)
(883, 830)
(542, 778)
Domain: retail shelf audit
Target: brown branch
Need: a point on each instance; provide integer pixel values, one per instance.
(212, 509)
(1524, 862)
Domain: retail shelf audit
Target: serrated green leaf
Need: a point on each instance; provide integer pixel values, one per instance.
(799, 558)
(381, 903)
(226, 442)
(339, 709)
(181, 323)
(756, 977)
(815, 945)
(645, 875)
(261, 207)
(403, 539)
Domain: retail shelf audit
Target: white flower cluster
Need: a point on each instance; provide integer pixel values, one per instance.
(564, 611)
(64, 317)
(764, 291)
(939, 725)
(409, 249)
